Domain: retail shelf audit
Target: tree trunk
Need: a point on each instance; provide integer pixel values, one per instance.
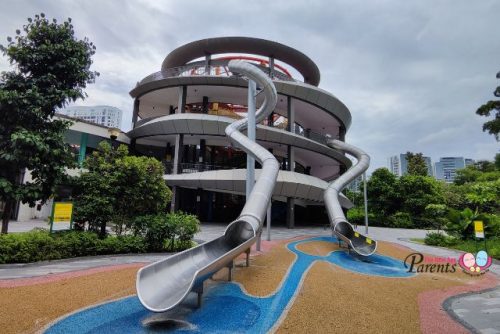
(102, 234)
(6, 215)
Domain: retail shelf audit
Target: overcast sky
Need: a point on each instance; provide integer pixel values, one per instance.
(412, 73)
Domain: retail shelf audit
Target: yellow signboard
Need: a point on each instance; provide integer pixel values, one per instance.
(63, 212)
(62, 216)
(356, 234)
(479, 228)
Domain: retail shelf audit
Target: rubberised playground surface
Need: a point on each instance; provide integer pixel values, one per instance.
(306, 284)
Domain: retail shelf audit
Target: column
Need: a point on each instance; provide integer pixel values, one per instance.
(290, 201)
(179, 150)
(135, 113)
(205, 105)
(201, 155)
(84, 137)
(207, 64)
(181, 105)
(271, 67)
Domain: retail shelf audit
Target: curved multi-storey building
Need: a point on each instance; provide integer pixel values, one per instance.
(181, 112)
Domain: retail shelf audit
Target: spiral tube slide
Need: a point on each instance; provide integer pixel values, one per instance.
(356, 241)
(165, 284)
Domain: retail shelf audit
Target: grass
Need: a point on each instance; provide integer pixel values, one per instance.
(418, 241)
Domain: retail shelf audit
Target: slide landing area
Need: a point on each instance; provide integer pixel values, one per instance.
(226, 306)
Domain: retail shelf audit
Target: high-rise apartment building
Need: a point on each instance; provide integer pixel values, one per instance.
(398, 165)
(446, 168)
(108, 116)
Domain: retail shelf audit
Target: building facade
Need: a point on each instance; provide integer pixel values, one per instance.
(445, 169)
(398, 165)
(181, 112)
(107, 116)
(83, 138)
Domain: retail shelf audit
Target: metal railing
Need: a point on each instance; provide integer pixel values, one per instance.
(203, 70)
(187, 168)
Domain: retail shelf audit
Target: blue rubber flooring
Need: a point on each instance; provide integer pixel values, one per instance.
(226, 308)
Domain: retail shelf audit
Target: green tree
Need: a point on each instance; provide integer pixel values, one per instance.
(52, 67)
(416, 164)
(117, 187)
(382, 194)
(467, 175)
(489, 108)
(416, 192)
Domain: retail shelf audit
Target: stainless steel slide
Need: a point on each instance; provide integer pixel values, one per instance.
(356, 241)
(164, 284)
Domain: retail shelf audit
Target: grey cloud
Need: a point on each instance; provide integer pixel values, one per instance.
(412, 73)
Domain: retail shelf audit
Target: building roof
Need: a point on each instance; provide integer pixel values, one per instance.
(191, 51)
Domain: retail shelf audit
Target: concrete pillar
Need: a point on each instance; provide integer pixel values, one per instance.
(290, 201)
(290, 212)
(135, 113)
(205, 105)
(342, 133)
(271, 67)
(181, 105)
(201, 154)
(207, 64)
(179, 145)
(290, 113)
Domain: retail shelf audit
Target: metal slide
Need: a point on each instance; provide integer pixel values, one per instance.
(164, 284)
(356, 241)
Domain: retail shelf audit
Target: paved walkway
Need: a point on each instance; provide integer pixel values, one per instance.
(479, 312)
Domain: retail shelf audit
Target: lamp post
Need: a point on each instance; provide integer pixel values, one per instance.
(113, 134)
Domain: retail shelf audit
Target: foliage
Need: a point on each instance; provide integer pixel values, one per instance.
(416, 164)
(172, 232)
(489, 108)
(439, 239)
(416, 192)
(469, 246)
(40, 245)
(51, 68)
(356, 216)
(401, 220)
(117, 187)
(436, 214)
(382, 197)
(484, 196)
(460, 223)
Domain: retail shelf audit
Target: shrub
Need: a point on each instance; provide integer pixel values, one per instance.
(173, 231)
(401, 220)
(40, 245)
(434, 239)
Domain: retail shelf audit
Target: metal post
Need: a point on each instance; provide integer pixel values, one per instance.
(366, 202)
(268, 221)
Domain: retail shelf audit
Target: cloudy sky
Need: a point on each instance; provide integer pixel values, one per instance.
(411, 72)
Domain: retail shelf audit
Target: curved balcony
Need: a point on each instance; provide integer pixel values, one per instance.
(211, 125)
(288, 184)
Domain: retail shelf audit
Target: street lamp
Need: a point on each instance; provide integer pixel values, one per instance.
(113, 133)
